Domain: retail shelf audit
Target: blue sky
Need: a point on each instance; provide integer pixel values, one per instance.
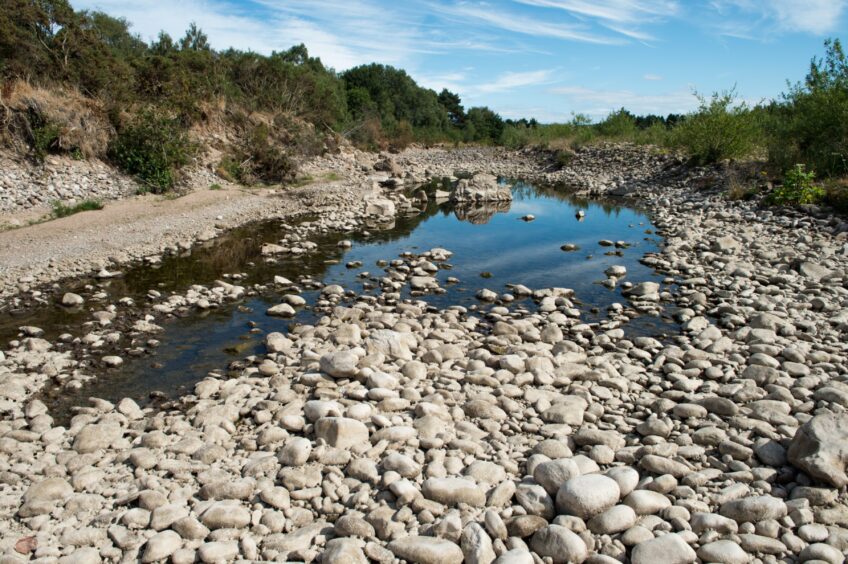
(531, 58)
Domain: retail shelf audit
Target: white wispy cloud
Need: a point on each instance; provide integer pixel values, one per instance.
(756, 19)
(651, 76)
(512, 80)
(597, 103)
(483, 13)
(622, 16)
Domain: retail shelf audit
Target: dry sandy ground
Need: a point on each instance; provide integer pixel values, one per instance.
(129, 229)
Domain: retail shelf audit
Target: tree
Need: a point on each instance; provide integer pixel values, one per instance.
(483, 124)
(452, 104)
(811, 125)
(194, 39)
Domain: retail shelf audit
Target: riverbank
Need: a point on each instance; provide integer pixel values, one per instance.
(392, 430)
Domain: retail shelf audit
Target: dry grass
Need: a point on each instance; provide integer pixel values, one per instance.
(82, 124)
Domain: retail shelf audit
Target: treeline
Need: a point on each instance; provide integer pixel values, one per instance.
(807, 125)
(152, 94)
(81, 82)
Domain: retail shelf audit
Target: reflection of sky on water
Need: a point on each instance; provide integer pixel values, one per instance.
(513, 251)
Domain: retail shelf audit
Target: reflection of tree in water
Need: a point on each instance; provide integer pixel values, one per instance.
(566, 193)
(480, 213)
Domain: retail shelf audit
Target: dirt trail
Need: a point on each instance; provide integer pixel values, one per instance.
(128, 229)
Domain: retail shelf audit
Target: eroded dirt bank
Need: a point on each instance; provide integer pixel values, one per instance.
(389, 431)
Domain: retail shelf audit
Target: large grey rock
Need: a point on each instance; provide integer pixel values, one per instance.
(161, 546)
(340, 364)
(426, 550)
(42, 496)
(96, 437)
(452, 491)
(587, 496)
(481, 188)
(554, 473)
(723, 552)
(344, 551)
(226, 515)
(754, 509)
(668, 549)
(515, 556)
(476, 545)
(341, 432)
(560, 544)
(820, 448)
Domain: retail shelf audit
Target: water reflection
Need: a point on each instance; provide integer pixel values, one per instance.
(486, 237)
(480, 213)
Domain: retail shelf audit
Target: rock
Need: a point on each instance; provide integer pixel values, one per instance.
(112, 361)
(646, 502)
(754, 509)
(281, 310)
(644, 291)
(341, 432)
(587, 496)
(560, 544)
(295, 452)
(613, 520)
(225, 515)
(72, 300)
(723, 552)
(218, 551)
(554, 473)
(452, 491)
(41, 497)
(342, 364)
(380, 207)
(668, 549)
(161, 546)
(97, 437)
(568, 410)
(481, 188)
(820, 448)
(426, 550)
(515, 556)
(476, 545)
(344, 551)
(85, 555)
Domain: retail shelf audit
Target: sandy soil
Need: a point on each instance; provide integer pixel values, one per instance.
(140, 226)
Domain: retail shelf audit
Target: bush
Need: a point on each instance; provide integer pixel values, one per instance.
(720, 129)
(620, 124)
(152, 147)
(811, 125)
(63, 210)
(258, 159)
(44, 136)
(797, 188)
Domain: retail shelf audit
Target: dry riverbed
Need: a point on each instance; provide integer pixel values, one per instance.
(389, 431)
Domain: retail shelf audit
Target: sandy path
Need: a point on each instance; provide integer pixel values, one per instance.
(129, 229)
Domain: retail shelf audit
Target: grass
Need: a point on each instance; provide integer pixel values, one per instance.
(216, 186)
(60, 209)
(306, 180)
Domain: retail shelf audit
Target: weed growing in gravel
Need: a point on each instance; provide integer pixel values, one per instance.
(61, 209)
(798, 188)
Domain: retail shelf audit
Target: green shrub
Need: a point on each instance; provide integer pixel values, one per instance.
(152, 147)
(837, 195)
(811, 125)
(258, 159)
(63, 210)
(44, 135)
(620, 124)
(798, 188)
(720, 129)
